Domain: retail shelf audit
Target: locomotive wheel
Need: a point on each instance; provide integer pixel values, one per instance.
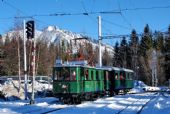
(76, 100)
(87, 97)
(66, 100)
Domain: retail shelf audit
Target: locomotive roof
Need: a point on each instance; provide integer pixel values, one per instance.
(82, 63)
(109, 68)
(127, 70)
(64, 65)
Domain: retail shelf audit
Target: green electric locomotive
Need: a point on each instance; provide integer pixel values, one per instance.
(76, 81)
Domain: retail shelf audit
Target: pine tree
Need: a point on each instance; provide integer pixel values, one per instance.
(159, 41)
(167, 55)
(145, 50)
(116, 57)
(133, 52)
(146, 41)
(123, 52)
(106, 59)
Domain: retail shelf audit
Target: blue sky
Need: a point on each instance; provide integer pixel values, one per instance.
(112, 24)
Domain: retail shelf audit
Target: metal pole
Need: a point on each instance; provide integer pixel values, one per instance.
(25, 62)
(32, 101)
(100, 38)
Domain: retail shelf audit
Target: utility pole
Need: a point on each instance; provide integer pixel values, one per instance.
(19, 65)
(30, 35)
(25, 62)
(100, 39)
(32, 101)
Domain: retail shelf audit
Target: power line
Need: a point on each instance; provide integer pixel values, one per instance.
(105, 12)
(88, 13)
(118, 25)
(124, 18)
(19, 17)
(145, 8)
(13, 7)
(129, 35)
(83, 13)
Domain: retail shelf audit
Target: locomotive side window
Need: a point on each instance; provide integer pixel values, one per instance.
(73, 74)
(86, 74)
(97, 75)
(65, 73)
(82, 73)
(92, 76)
(122, 77)
(116, 76)
(130, 76)
(107, 75)
(58, 75)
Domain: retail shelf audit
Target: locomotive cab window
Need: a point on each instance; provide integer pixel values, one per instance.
(62, 74)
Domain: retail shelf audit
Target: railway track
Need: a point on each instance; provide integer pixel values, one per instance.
(139, 104)
(135, 104)
(138, 108)
(27, 108)
(51, 111)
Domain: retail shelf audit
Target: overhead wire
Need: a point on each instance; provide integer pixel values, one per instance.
(140, 17)
(145, 8)
(123, 17)
(115, 24)
(24, 14)
(84, 13)
(94, 20)
(91, 13)
(12, 6)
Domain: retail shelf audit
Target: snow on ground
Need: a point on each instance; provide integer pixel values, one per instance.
(12, 91)
(140, 87)
(130, 103)
(160, 105)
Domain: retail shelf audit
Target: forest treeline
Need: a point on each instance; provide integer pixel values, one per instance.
(134, 52)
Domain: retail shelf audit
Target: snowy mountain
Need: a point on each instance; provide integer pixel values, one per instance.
(19, 33)
(53, 34)
(57, 36)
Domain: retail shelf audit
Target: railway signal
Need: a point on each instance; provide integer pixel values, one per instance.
(30, 29)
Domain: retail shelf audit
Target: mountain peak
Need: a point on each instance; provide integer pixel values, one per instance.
(51, 28)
